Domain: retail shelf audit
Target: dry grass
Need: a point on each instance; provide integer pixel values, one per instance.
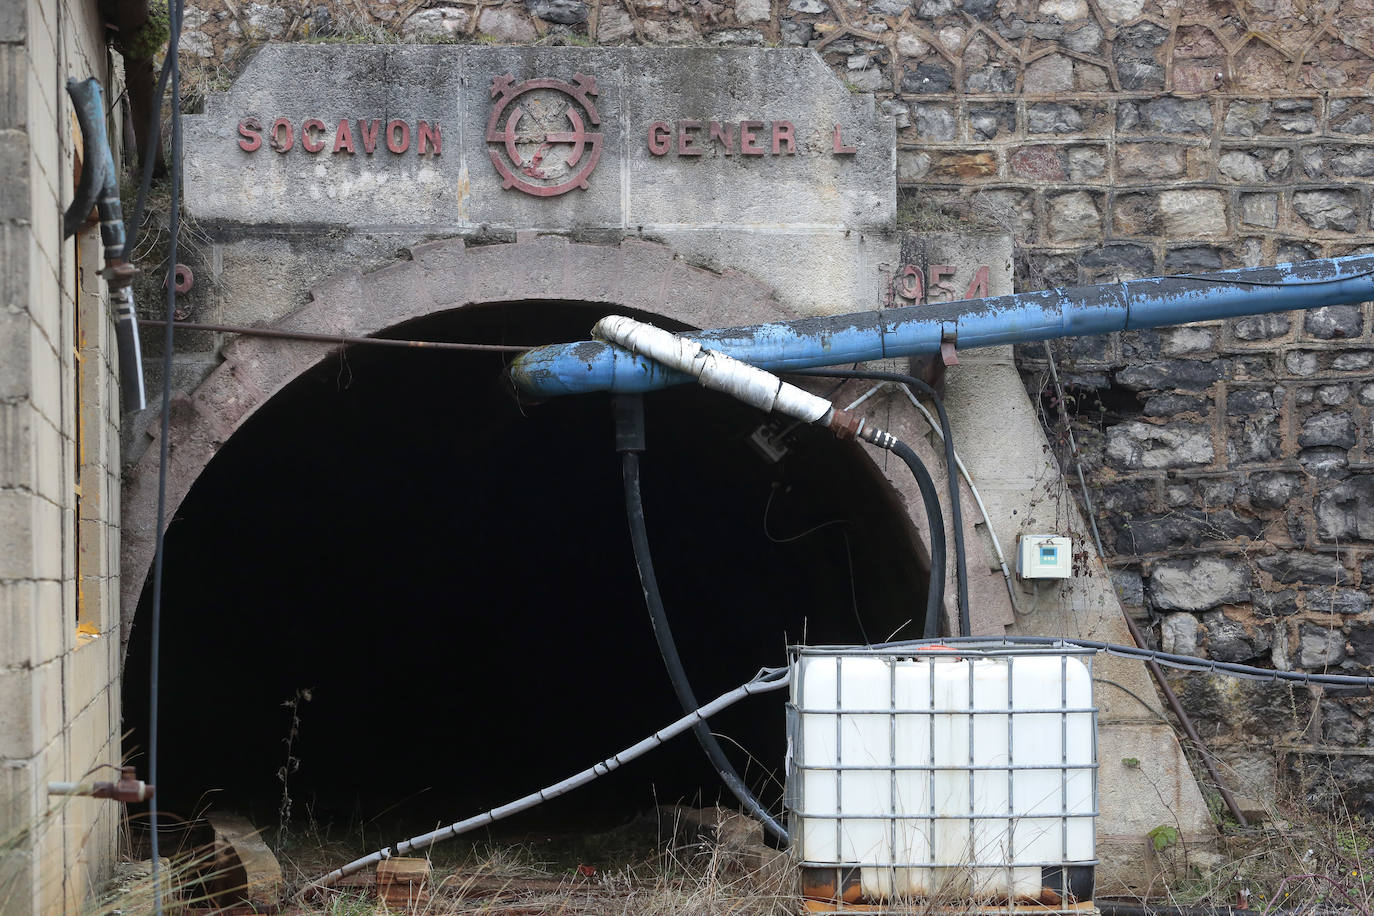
(1308, 851)
(723, 875)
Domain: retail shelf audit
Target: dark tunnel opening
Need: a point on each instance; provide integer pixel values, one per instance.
(450, 576)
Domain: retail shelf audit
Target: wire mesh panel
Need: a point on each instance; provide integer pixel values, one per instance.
(925, 772)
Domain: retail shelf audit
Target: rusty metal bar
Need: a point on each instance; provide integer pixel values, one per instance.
(1189, 729)
(332, 338)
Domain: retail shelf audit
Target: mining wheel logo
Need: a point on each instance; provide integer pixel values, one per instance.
(537, 135)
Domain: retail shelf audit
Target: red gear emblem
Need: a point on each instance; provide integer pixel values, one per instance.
(528, 137)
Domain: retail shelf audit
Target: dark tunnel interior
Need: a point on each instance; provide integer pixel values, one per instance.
(449, 574)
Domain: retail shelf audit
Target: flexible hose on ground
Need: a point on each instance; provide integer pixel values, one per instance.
(766, 680)
(951, 469)
(632, 416)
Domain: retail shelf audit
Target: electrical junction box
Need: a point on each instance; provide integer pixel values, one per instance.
(1044, 556)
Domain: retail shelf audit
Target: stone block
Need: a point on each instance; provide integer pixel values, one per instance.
(1173, 405)
(1350, 161)
(1073, 217)
(1242, 166)
(1135, 445)
(1353, 360)
(1259, 210)
(1199, 584)
(1272, 489)
(912, 165)
(1192, 214)
(1195, 259)
(750, 11)
(1332, 428)
(1320, 647)
(1087, 163)
(1040, 163)
(30, 709)
(14, 160)
(1187, 374)
(570, 12)
(1349, 116)
(1325, 461)
(1122, 261)
(1136, 214)
(1327, 210)
(1253, 438)
(1176, 116)
(1332, 600)
(934, 123)
(1150, 160)
(1053, 118)
(1334, 322)
(1245, 118)
(1306, 568)
(927, 79)
(1261, 327)
(1230, 640)
(1048, 75)
(1346, 511)
(965, 165)
(988, 121)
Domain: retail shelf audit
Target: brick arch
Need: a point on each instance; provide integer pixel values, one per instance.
(440, 277)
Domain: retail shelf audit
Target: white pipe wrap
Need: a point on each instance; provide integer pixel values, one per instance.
(766, 680)
(713, 369)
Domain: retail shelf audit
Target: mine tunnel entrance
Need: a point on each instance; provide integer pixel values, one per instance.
(449, 575)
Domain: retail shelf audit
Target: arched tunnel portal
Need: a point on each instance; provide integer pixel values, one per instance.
(448, 574)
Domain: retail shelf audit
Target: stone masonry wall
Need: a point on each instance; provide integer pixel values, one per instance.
(1231, 464)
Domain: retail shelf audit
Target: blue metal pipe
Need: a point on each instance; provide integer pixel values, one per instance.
(1042, 315)
(99, 188)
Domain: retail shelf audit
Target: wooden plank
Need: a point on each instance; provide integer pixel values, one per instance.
(250, 873)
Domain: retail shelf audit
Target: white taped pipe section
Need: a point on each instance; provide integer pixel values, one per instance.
(714, 370)
(766, 680)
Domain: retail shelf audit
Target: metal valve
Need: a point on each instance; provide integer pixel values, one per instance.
(128, 789)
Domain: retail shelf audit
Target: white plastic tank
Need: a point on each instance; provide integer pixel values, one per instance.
(966, 772)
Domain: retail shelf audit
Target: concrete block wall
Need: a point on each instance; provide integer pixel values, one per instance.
(59, 467)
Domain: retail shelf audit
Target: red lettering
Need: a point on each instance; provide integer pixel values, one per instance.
(784, 132)
(397, 136)
(367, 131)
(838, 146)
(309, 142)
(343, 138)
(685, 146)
(910, 284)
(250, 129)
(725, 134)
(429, 136)
(978, 286)
(747, 137)
(938, 272)
(282, 143)
(659, 134)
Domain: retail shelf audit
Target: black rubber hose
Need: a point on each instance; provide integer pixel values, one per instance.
(935, 597)
(951, 469)
(667, 647)
(1167, 659)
